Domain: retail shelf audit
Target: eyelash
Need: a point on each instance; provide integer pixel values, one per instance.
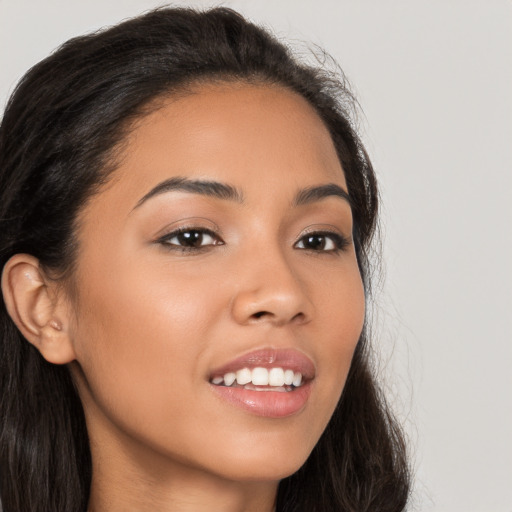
(165, 240)
(338, 241)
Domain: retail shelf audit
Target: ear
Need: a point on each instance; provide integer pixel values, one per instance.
(38, 308)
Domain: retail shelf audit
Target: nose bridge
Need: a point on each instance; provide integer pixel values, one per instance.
(269, 288)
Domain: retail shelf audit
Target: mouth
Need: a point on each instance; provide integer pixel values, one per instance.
(270, 383)
(276, 379)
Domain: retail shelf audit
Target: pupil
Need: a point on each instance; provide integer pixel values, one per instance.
(316, 242)
(190, 238)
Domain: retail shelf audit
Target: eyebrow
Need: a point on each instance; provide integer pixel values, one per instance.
(203, 187)
(317, 193)
(228, 192)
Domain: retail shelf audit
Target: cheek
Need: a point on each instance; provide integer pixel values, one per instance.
(137, 306)
(347, 315)
(341, 321)
(140, 338)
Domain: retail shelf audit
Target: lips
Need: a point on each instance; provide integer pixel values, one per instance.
(288, 359)
(284, 374)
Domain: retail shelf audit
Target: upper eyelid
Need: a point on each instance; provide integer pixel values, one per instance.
(325, 229)
(190, 223)
(321, 227)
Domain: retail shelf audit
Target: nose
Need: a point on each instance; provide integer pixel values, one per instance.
(270, 291)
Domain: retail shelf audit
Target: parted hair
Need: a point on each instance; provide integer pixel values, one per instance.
(60, 135)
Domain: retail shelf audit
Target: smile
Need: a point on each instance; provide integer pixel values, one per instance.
(261, 379)
(273, 383)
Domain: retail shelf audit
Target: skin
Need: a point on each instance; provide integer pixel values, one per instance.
(147, 321)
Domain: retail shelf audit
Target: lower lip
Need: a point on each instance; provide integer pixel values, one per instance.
(269, 404)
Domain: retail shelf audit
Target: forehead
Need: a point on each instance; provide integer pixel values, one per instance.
(264, 140)
(235, 131)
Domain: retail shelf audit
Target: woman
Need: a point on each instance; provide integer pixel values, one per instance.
(186, 214)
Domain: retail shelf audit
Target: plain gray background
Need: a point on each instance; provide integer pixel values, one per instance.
(434, 80)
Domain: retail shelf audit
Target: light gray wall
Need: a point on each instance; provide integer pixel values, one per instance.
(434, 79)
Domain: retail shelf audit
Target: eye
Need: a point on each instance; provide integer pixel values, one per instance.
(322, 241)
(190, 239)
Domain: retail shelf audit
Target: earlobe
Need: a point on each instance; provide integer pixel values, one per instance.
(37, 308)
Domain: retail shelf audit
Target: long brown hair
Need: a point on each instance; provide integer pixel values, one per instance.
(58, 139)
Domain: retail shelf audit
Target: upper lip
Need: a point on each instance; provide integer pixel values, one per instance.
(288, 359)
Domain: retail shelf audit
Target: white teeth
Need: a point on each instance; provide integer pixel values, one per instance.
(288, 377)
(229, 378)
(273, 377)
(276, 377)
(260, 377)
(243, 376)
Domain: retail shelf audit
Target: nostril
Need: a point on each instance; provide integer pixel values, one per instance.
(299, 317)
(259, 314)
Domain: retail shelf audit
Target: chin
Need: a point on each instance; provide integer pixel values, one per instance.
(262, 471)
(260, 460)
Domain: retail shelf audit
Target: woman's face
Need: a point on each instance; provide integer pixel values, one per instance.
(222, 244)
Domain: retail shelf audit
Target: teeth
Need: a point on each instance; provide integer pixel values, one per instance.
(275, 378)
(288, 377)
(243, 376)
(260, 377)
(229, 378)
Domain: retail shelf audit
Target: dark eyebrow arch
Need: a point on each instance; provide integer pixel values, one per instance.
(203, 187)
(312, 194)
